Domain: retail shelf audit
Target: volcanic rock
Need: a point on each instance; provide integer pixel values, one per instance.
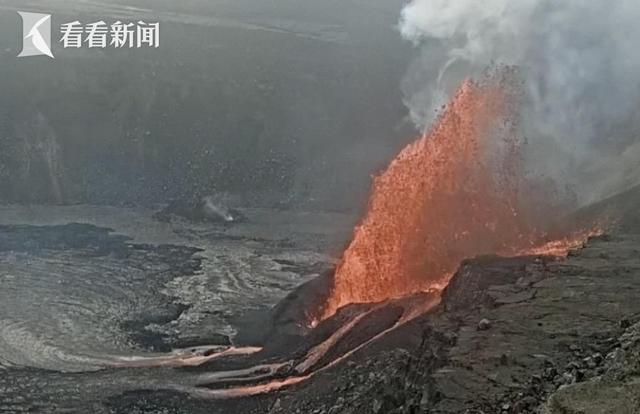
(544, 346)
(484, 324)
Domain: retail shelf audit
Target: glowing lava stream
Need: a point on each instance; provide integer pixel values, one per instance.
(193, 356)
(312, 357)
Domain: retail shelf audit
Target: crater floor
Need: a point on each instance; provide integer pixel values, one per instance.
(84, 287)
(511, 335)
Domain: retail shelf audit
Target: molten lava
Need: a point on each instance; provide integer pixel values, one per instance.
(457, 192)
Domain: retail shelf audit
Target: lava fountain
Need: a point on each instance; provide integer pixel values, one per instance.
(457, 192)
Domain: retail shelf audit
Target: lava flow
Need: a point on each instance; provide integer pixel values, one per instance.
(457, 192)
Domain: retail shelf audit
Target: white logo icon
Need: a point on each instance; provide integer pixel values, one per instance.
(36, 33)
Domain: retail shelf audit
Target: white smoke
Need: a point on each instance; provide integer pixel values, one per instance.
(580, 65)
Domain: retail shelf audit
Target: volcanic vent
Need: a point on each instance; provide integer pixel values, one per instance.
(457, 192)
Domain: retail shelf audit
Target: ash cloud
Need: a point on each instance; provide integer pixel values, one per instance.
(580, 68)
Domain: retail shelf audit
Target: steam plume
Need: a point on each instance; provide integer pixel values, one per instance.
(580, 67)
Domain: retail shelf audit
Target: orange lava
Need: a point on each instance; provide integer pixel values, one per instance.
(457, 192)
(562, 246)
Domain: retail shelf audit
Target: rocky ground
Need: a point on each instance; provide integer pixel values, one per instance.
(524, 335)
(519, 335)
(511, 335)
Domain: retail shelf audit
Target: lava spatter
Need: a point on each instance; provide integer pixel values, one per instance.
(458, 191)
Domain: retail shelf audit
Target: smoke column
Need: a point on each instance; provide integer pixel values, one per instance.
(580, 68)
